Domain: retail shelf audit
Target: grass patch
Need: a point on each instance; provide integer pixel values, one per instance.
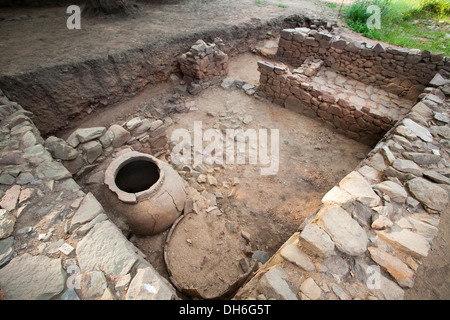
(420, 24)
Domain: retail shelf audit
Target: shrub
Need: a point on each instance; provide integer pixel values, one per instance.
(356, 16)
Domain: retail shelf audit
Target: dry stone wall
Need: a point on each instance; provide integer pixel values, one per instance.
(55, 240)
(86, 148)
(404, 72)
(375, 227)
(359, 119)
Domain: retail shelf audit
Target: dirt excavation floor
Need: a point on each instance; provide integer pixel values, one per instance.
(267, 207)
(256, 213)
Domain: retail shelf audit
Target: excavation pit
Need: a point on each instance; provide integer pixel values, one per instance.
(229, 218)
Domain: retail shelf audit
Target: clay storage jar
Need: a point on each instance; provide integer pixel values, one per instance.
(148, 191)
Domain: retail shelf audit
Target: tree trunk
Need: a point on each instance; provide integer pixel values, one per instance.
(106, 7)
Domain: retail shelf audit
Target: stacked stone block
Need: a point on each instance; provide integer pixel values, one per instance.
(204, 62)
(297, 93)
(404, 72)
(85, 148)
(56, 242)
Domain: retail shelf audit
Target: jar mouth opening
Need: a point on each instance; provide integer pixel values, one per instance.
(134, 176)
(137, 176)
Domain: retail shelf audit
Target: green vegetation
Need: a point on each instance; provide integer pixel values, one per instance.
(421, 24)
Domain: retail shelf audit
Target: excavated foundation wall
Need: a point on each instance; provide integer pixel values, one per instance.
(374, 228)
(59, 93)
(398, 71)
(404, 72)
(296, 93)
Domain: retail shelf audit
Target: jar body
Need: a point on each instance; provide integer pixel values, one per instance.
(147, 191)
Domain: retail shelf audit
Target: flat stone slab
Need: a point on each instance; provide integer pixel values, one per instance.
(147, 284)
(418, 130)
(346, 233)
(428, 193)
(396, 268)
(29, 277)
(293, 254)
(273, 285)
(316, 240)
(407, 241)
(355, 184)
(88, 134)
(88, 210)
(106, 248)
(395, 191)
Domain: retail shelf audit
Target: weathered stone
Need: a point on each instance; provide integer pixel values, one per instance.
(29, 277)
(389, 289)
(147, 284)
(69, 294)
(424, 228)
(355, 184)
(346, 233)
(388, 154)
(52, 170)
(9, 199)
(121, 136)
(11, 158)
(340, 292)
(372, 175)
(108, 295)
(418, 130)
(93, 150)
(436, 177)
(122, 283)
(428, 193)
(438, 80)
(106, 139)
(310, 289)
(336, 195)
(7, 179)
(273, 285)
(227, 83)
(60, 149)
(379, 48)
(381, 222)
(93, 284)
(6, 250)
(107, 249)
(407, 241)
(407, 166)
(133, 123)
(316, 240)
(24, 178)
(360, 212)
(7, 222)
(393, 190)
(28, 139)
(396, 268)
(335, 266)
(422, 158)
(155, 125)
(88, 210)
(88, 134)
(292, 253)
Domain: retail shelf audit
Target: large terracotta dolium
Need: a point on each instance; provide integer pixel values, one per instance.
(147, 191)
